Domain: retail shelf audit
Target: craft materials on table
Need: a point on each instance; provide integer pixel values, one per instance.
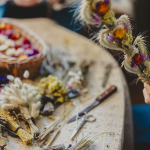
(117, 35)
(24, 97)
(87, 118)
(99, 99)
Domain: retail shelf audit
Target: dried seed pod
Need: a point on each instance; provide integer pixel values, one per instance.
(26, 74)
(10, 78)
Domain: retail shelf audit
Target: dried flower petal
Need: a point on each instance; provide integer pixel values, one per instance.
(137, 59)
(110, 38)
(144, 56)
(133, 65)
(103, 8)
(120, 33)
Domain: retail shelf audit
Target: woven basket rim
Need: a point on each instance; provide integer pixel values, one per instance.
(13, 60)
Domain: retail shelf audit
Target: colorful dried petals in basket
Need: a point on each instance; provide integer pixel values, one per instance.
(20, 49)
(14, 44)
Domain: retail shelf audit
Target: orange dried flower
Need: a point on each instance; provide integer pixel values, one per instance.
(103, 8)
(120, 33)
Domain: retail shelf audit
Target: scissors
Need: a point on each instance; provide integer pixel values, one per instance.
(87, 118)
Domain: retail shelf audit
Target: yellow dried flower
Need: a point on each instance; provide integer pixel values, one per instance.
(55, 87)
(146, 72)
(109, 18)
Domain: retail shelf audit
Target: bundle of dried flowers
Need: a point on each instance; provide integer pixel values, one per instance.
(14, 127)
(116, 34)
(53, 87)
(22, 96)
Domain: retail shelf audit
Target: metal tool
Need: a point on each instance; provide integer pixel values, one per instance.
(106, 76)
(98, 100)
(87, 118)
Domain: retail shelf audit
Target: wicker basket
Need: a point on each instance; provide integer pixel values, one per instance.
(17, 66)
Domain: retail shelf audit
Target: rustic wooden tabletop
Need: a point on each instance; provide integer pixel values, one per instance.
(113, 115)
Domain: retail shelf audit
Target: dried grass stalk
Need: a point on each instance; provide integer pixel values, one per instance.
(12, 125)
(34, 130)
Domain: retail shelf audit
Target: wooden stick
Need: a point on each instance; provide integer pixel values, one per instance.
(53, 138)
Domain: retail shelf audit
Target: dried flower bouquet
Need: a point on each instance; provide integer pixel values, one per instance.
(22, 96)
(116, 34)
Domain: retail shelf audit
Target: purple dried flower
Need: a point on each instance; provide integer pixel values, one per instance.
(107, 1)
(134, 47)
(133, 65)
(127, 27)
(110, 38)
(97, 19)
(125, 57)
(144, 56)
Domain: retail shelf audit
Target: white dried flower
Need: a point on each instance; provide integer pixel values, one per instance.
(34, 93)
(15, 100)
(19, 51)
(26, 74)
(10, 90)
(18, 81)
(6, 93)
(8, 106)
(16, 86)
(30, 96)
(25, 86)
(23, 92)
(2, 91)
(10, 78)
(10, 51)
(3, 98)
(3, 47)
(38, 97)
(24, 99)
(10, 43)
(35, 109)
(30, 89)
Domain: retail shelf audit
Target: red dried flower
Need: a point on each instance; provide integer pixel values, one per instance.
(103, 8)
(137, 59)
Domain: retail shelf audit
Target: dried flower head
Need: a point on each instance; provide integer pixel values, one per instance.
(26, 74)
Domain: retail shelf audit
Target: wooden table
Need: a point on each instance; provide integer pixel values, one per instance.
(111, 113)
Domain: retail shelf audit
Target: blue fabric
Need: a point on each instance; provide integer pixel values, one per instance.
(65, 18)
(141, 122)
(2, 10)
